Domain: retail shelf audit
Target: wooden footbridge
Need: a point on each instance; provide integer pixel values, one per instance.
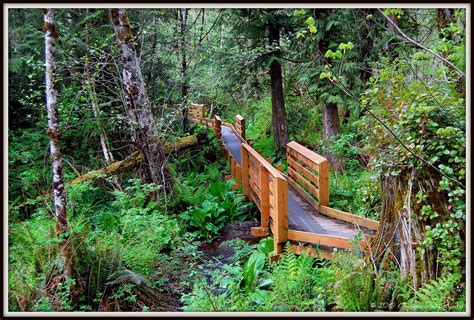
(294, 207)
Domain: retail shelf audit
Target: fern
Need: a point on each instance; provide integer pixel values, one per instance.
(435, 295)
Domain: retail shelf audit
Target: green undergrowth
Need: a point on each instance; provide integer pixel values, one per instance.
(300, 283)
(120, 234)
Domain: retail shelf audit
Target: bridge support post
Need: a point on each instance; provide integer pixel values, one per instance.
(324, 183)
(281, 224)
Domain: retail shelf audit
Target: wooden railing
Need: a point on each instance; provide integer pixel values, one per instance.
(217, 127)
(197, 112)
(240, 126)
(267, 187)
(308, 174)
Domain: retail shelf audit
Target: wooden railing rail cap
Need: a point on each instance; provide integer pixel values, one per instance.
(311, 155)
(271, 169)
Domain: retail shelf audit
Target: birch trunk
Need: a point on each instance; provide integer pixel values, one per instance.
(139, 106)
(59, 194)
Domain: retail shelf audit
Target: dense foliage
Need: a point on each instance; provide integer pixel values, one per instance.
(401, 115)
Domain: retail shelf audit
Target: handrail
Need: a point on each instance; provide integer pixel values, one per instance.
(264, 162)
(268, 188)
(301, 161)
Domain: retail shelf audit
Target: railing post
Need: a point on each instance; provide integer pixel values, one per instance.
(241, 124)
(245, 169)
(324, 183)
(281, 228)
(217, 126)
(264, 197)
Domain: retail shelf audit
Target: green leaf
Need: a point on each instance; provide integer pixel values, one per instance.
(313, 29)
(299, 12)
(299, 35)
(329, 54)
(324, 75)
(310, 21)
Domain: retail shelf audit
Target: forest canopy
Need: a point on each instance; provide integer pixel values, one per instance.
(155, 155)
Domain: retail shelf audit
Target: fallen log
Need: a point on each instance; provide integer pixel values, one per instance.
(135, 159)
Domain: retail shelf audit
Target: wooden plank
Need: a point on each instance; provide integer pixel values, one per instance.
(254, 173)
(346, 216)
(271, 170)
(281, 234)
(321, 239)
(271, 198)
(254, 162)
(245, 170)
(299, 157)
(255, 198)
(311, 155)
(302, 170)
(299, 178)
(272, 212)
(313, 252)
(264, 197)
(253, 169)
(238, 174)
(260, 231)
(324, 184)
(232, 166)
(254, 186)
(313, 202)
(239, 117)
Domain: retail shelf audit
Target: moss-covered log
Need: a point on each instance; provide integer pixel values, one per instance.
(135, 159)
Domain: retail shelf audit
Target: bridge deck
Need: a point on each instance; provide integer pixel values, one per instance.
(301, 215)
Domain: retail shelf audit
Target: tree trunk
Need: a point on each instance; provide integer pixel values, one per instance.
(59, 195)
(444, 17)
(139, 106)
(150, 76)
(331, 123)
(183, 17)
(402, 227)
(392, 30)
(331, 127)
(279, 121)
